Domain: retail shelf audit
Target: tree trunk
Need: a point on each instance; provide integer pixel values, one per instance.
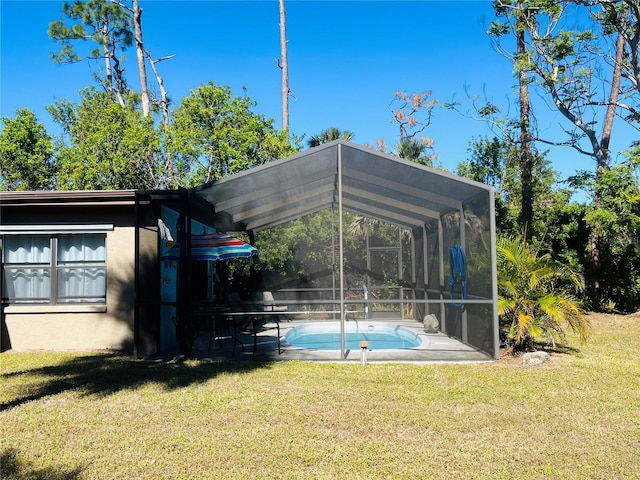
(613, 94)
(142, 70)
(107, 66)
(284, 65)
(526, 209)
(630, 13)
(164, 105)
(113, 82)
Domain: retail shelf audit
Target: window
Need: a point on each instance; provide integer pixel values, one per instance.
(54, 269)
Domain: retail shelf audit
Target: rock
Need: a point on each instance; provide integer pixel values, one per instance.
(535, 358)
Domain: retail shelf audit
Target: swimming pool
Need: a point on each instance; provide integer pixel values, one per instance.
(326, 336)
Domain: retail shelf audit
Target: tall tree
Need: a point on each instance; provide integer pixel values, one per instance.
(516, 16)
(111, 147)
(142, 70)
(136, 12)
(26, 154)
(218, 134)
(101, 22)
(523, 14)
(623, 17)
(284, 66)
(146, 99)
(495, 162)
(163, 103)
(568, 65)
(571, 66)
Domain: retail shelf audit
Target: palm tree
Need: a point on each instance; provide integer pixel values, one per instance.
(536, 296)
(414, 149)
(411, 149)
(329, 135)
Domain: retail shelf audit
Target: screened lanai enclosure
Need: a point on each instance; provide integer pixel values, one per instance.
(355, 245)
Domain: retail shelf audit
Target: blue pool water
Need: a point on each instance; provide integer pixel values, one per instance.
(326, 336)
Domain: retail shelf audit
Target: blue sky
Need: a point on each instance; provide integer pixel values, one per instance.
(346, 58)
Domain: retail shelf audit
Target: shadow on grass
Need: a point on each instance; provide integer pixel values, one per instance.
(563, 349)
(560, 349)
(104, 374)
(12, 465)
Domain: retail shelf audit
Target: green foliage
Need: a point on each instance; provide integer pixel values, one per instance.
(563, 45)
(302, 248)
(111, 147)
(620, 279)
(278, 247)
(329, 135)
(105, 24)
(487, 162)
(537, 296)
(495, 162)
(26, 154)
(619, 211)
(213, 133)
(572, 67)
(565, 233)
(413, 149)
(490, 163)
(304, 252)
(497, 28)
(100, 21)
(488, 109)
(615, 219)
(115, 147)
(218, 134)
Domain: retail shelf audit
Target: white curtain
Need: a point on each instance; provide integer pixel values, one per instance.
(80, 263)
(81, 271)
(24, 281)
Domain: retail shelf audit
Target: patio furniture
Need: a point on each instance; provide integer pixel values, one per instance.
(214, 319)
(268, 303)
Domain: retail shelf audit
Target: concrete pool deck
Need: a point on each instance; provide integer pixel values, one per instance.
(437, 347)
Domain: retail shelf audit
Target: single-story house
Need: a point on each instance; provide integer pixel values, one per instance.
(70, 279)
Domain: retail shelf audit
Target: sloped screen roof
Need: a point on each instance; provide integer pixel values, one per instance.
(371, 183)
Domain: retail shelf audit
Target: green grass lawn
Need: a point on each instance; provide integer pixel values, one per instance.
(67, 416)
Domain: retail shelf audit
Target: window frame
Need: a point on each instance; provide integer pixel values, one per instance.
(52, 233)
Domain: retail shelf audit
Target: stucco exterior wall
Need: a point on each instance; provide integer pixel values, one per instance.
(67, 331)
(84, 327)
